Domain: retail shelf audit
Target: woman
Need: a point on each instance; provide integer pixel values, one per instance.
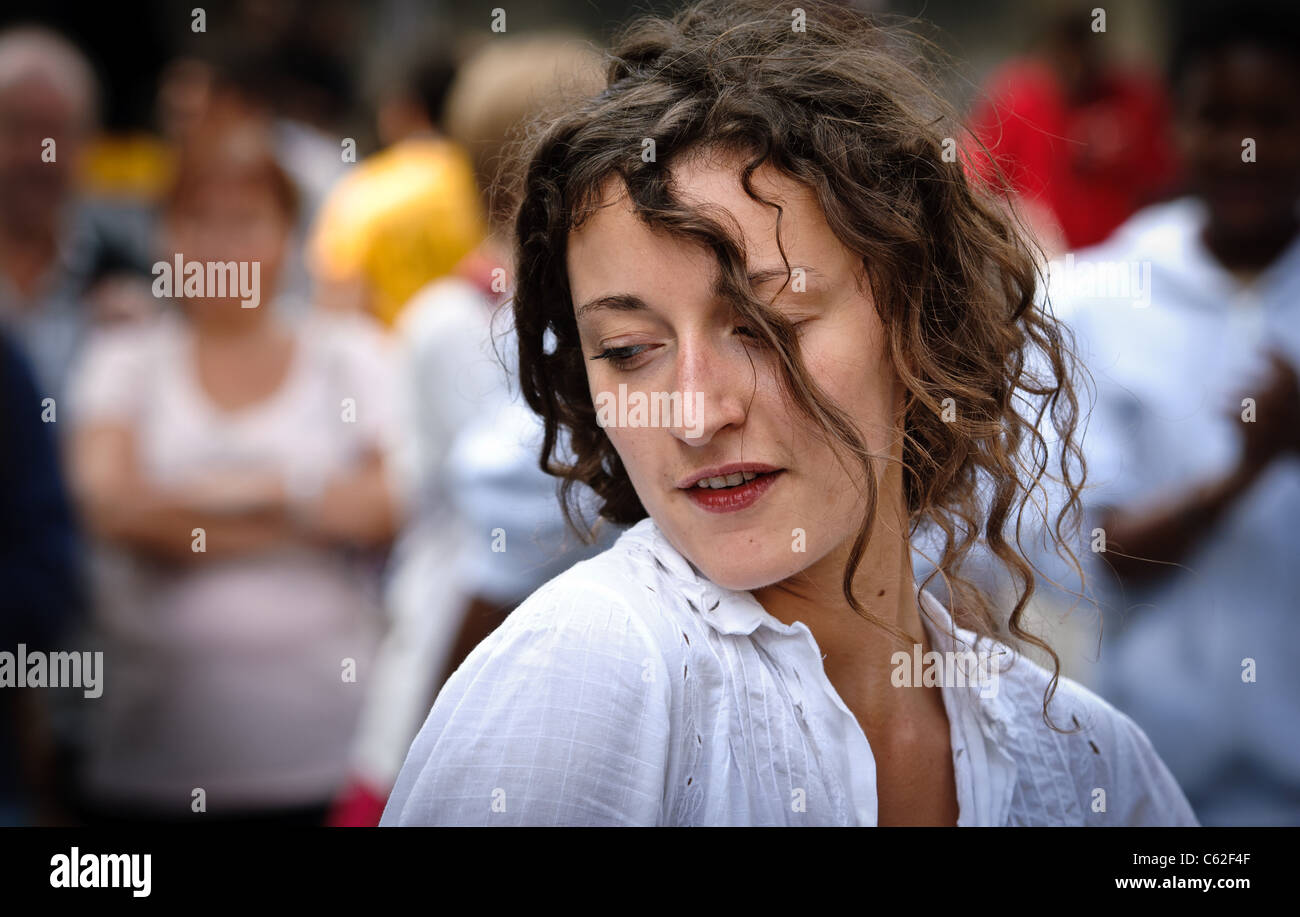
(757, 216)
(230, 462)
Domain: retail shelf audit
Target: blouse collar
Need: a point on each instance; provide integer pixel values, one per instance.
(734, 612)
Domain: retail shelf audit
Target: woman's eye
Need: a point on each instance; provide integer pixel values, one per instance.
(620, 357)
(746, 331)
(751, 335)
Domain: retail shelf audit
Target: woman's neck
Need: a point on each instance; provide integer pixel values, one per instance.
(857, 654)
(883, 583)
(241, 329)
(884, 586)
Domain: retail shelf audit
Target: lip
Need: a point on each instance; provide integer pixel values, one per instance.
(733, 499)
(721, 471)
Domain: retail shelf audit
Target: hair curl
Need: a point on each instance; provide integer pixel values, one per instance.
(843, 107)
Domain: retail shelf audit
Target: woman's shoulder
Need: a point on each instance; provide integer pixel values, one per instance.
(123, 363)
(562, 716)
(1118, 775)
(165, 331)
(608, 606)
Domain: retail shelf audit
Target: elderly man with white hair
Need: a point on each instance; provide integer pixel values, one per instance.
(53, 247)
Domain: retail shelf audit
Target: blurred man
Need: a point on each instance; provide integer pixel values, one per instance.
(1194, 442)
(47, 104)
(63, 261)
(53, 247)
(43, 591)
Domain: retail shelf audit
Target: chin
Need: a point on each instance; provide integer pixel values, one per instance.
(738, 556)
(744, 570)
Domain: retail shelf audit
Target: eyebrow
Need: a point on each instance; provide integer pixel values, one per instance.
(630, 302)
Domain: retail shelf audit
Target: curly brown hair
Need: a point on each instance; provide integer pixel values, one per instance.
(845, 108)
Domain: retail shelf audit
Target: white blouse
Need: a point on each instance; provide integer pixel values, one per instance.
(630, 690)
(228, 675)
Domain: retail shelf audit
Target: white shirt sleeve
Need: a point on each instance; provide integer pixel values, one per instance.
(1136, 787)
(1148, 794)
(560, 717)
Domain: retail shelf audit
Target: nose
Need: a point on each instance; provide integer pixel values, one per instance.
(717, 381)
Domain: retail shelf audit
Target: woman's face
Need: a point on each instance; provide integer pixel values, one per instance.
(649, 318)
(224, 221)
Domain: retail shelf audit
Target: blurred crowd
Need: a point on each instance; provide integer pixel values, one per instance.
(285, 525)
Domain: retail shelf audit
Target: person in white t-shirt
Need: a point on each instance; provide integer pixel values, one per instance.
(487, 529)
(1194, 440)
(237, 471)
(772, 328)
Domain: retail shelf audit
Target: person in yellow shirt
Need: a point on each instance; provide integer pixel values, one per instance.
(404, 216)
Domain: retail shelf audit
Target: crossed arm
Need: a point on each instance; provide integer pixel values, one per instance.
(239, 514)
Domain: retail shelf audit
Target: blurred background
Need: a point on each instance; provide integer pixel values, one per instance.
(354, 478)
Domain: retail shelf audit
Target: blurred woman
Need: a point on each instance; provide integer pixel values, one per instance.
(230, 464)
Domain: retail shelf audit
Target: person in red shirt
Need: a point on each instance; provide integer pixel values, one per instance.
(1082, 142)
